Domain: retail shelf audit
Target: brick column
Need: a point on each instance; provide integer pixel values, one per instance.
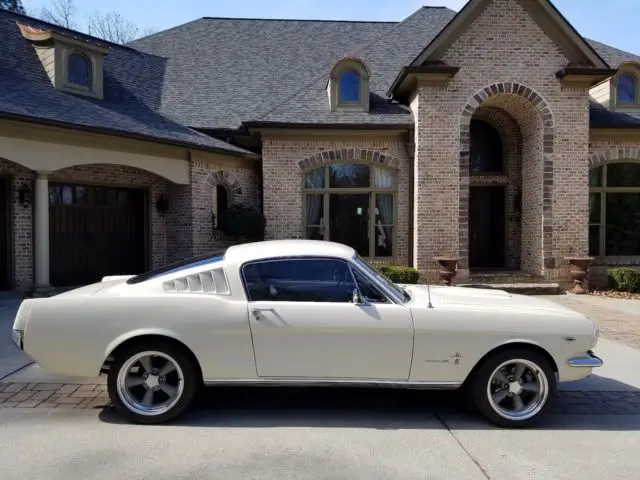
(436, 192)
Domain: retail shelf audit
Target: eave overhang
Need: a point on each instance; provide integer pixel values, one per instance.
(410, 76)
(587, 76)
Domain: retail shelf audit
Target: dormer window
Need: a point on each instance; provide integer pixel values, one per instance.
(73, 63)
(627, 89)
(348, 86)
(79, 70)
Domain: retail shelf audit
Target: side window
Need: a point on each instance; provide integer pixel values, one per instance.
(368, 290)
(299, 280)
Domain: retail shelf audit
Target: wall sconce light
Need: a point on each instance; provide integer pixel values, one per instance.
(24, 195)
(162, 204)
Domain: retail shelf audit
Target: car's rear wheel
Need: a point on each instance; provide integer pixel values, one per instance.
(152, 382)
(515, 388)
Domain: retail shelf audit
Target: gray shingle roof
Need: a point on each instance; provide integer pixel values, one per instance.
(602, 117)
(133, 83)
(276, 70)
(612, 56)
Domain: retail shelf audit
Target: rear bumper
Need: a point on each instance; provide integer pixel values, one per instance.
(586, 361)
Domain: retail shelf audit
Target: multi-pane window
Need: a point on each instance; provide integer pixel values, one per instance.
(614, 210)
(354, 204)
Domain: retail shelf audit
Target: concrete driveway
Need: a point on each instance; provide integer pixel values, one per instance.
(55, 428)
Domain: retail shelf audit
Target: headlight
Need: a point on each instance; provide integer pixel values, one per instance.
(16, 336)
(596, 335)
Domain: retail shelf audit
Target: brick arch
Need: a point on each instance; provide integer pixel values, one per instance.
(358, 155)
(613, 155)
(543, 109)
(227, 179)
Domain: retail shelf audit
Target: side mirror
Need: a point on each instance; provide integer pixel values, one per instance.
(357, 298)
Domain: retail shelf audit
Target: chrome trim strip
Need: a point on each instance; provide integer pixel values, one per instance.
(589, 361)
(308, 382)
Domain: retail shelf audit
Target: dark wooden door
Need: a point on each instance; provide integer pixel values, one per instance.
(95, 231)
(5, 235)
(487, 218)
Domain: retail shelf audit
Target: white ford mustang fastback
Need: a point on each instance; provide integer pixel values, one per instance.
(302, 312)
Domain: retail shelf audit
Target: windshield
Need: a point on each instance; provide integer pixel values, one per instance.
(395, 289)
(176, 267)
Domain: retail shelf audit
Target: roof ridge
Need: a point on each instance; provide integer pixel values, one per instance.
(319, 20)
(356, 51)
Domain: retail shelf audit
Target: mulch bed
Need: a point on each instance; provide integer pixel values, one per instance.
(615, 294)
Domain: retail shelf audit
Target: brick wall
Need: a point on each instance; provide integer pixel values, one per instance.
(22, 231)
(191, 228)
(554, 159)
(282, 177)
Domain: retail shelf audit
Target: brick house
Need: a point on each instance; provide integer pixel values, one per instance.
(497, 135)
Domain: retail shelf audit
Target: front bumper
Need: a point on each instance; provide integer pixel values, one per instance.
(586, 361)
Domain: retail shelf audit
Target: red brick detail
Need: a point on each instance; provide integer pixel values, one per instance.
(326, 157)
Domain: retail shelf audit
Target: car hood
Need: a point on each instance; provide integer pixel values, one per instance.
(441, 296)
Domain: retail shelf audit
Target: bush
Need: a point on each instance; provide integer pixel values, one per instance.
(399, 273)
(625, 279)
(242, 221)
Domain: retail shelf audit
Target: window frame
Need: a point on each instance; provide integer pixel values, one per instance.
(629, 68)
(326, 191)
(333, 86)
(602, 190)
(342, 73)
(351, 265)
(503, 146)
(79, 86)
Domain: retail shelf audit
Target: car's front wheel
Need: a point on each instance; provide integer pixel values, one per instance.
(152, 382)
(515, 388)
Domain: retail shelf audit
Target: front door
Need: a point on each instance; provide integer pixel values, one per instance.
(304, 324)
(487, 227)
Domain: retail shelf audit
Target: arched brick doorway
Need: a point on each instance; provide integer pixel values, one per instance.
(507, 212)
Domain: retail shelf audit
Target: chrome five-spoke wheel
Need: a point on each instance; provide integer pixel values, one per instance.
(150, 383)
(153, 381)
(515, 388)
(518, 389)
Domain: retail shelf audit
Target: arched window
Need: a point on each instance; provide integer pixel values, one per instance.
(614, 210)
(626, 89)
(222, 199)
(486, 150)
(354, 204)
(79, 70)
(349, 87)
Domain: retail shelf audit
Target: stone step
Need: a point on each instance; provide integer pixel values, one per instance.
(522, 288)
(505, 277)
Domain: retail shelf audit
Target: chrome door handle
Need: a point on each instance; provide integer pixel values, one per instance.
(257, 312)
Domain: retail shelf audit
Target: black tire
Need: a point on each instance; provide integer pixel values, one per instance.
(191, 380)
(483, 377)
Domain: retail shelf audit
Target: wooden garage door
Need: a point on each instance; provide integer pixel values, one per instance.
(95, 231)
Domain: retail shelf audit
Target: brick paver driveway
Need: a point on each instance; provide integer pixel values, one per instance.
(615, 324)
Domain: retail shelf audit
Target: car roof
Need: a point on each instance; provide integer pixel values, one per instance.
(287, 248)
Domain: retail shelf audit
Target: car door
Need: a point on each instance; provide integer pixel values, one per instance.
(304, 323)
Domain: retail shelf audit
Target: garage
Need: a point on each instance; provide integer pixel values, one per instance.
(95, 231)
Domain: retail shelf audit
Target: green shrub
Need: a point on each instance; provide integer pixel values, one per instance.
(625, 279)
(399, 273)
(242, 222)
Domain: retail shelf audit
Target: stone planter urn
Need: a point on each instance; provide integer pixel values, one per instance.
(447, 269)
(578, 271)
